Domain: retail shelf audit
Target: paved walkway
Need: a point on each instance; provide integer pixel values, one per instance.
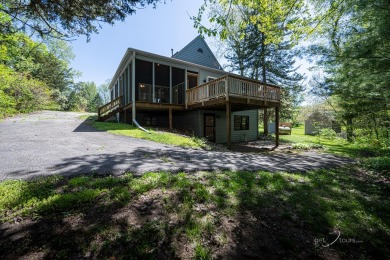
(52, 142)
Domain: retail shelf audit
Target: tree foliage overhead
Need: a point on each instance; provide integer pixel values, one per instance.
(259, 39)
(272, 18)
(67, 18)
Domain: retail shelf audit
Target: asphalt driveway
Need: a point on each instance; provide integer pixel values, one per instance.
(52, 142)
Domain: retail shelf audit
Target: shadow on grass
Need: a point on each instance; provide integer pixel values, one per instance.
(86, 125)
(225, 215)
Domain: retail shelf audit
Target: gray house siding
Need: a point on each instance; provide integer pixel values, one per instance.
(203, 75)
(198, 52)
(194, 120)
(190, 120)
(252, 133)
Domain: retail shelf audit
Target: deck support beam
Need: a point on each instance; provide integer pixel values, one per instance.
(170, 118)
(277, 126)
(228, 125)
(265, 121)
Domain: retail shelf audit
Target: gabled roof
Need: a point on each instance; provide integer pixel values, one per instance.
(198, 52)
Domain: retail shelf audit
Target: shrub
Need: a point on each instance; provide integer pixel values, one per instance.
(380, 163)
(327, 133)
(306, 146)
(20, 94)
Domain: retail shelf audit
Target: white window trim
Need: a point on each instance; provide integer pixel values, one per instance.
(209, 78)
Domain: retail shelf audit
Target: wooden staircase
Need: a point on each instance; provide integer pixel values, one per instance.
(110, 109)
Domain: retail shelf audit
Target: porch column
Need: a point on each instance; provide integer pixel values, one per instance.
(265, 121)
(153, 85)
(128, 83)
(170, 119)
(133, 87)
(170, 84)
(277, 126)
(228, 125)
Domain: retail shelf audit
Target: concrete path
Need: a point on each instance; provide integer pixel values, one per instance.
(51, 142)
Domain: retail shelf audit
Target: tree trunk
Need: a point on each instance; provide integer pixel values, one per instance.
(264, 79)
(349, 129)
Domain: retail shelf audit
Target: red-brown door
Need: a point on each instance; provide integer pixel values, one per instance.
(209, 127)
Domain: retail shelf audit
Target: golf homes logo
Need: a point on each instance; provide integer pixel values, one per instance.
(335, 237)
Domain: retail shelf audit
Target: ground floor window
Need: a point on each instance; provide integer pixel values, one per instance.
(151, 120)
(241, 122)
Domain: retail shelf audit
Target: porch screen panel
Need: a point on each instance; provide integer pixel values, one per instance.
(125, 89)
(143, 80)
(161, 80)
(178, 77)
(129, 83)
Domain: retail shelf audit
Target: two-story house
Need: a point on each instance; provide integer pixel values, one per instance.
(189, 90)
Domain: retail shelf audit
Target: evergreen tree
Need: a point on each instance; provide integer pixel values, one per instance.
(251, 54)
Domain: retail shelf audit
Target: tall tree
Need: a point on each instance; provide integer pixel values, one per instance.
(67, 18)
(260, 42)
(41, 65)
(104, 91)
(353, 54)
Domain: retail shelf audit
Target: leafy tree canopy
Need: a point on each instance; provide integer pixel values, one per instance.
(273, 18)
(66, 18)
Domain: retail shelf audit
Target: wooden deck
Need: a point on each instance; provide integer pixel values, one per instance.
(238, 91)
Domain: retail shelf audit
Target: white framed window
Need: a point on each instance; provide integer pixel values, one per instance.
(210, 78)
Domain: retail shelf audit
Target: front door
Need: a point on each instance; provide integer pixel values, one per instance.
(192, 80)
(209, 127)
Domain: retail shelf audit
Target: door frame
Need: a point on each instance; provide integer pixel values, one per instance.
(214, 126)
(192, 74)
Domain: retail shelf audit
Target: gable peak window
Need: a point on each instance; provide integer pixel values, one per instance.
(200, 50)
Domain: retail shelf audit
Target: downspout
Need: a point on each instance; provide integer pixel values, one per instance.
(139, 126)
(133, 95)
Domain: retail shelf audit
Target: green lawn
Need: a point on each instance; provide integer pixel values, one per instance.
(336, 145)
(164, 215)
(202, 215)
(155, 136)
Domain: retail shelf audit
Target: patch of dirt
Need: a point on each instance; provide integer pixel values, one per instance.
(149, 227)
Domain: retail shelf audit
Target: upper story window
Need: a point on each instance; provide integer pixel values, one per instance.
(210, 78)
(200, 50)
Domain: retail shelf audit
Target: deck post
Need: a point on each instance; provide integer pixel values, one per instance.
(277, 126)
(227, 88)
(265, 121)
(133, 88)
(170, 119)
(228, 126)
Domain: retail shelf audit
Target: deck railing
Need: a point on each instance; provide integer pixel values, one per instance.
(210, 90)
(109, 107)
(228, 85)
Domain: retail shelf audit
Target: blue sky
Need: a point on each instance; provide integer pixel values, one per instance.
(152, 30)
